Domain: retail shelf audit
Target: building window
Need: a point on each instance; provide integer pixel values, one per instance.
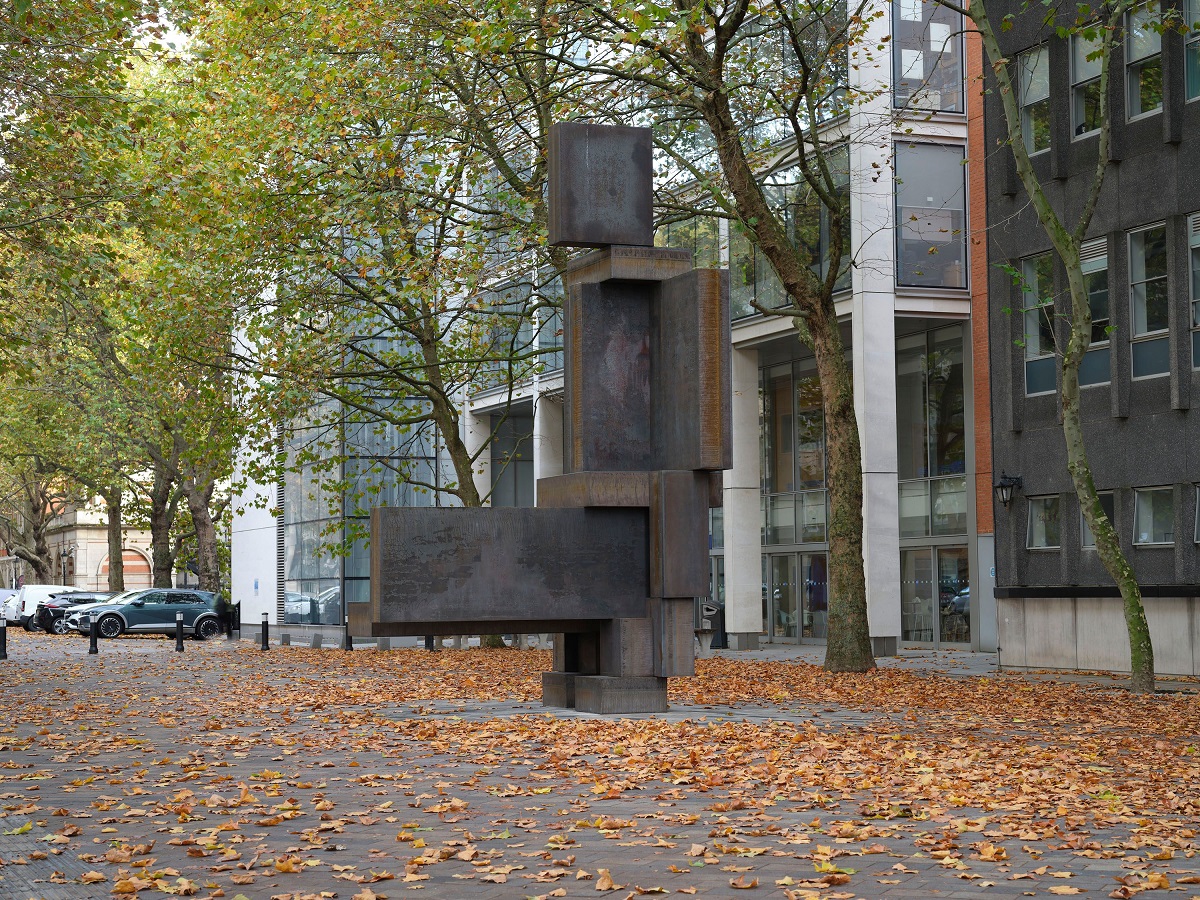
(1085, 85)
(1037, 289)
(1034, 94)
(1150, 300)
(931, 213)
(1143, 60)
(1194, 257)
(1094, 259)
(927, 56)
(1191, 47)
(1043, 524)
(1154, 516)
(1087, 539)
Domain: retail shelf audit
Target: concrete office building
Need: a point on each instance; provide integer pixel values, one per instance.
(1057, 605)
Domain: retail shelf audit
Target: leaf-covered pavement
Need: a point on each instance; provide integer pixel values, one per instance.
(298, 773)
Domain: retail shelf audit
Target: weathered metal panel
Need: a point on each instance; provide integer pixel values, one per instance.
(578, 489)
(674, 637)
(600, 185)
(608, 361)
(629, 264)
(679, 534)
(505, 565)
(692, 409)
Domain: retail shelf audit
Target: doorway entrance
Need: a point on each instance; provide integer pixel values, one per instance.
(935, 596)
(796, 606)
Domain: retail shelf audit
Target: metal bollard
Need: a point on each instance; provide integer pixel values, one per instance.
(348, 641)
(3, 638)
(265, 645)
(93, 633)
(229, 621)
(178, 632)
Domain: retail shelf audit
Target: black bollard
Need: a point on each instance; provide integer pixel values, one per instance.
(348, 641)
(429, 642)
(3, 638)
(93, 633)
(265, 645)
(178, 632)
(229, 621)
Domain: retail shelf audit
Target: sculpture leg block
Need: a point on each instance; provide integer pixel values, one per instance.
(617, 695)
(674, 638)
(558, 689)
(626, 648)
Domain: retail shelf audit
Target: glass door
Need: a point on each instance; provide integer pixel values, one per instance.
(935, 596)
(814, 580)
(916, 596)
(954, 596)
(783, 608)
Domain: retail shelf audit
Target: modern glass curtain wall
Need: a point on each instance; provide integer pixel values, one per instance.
(935, 527)
(935, 520)
(794, 503)
(339, 469)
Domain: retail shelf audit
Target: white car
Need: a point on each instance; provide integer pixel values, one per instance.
(23, 607)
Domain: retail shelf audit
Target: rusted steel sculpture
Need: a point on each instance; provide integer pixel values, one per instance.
(617, 547)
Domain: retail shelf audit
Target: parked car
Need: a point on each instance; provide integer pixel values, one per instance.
(52, 614)
(23, 606)
(152, 612)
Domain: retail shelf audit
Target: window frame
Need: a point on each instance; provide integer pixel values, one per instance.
(1193, 226)
(1138, 493)
(1031, 505)
(1028, 275)
(1158, 334)
(1196, 528)
(1140, 63)
(1191, 49)
(1094, 254)
(1084, 530)
(1043, 52)
(1078, 84)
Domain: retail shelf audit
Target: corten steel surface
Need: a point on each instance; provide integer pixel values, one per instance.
(679, 564)
(628, 264)
(577, 489)
(484, 566)
(600, 185)
(691, 393)
(607, 375)
(647, 369)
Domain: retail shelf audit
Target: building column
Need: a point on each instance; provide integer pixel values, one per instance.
(872, 210)
(476, 429)
(743, 518)
(547, 436)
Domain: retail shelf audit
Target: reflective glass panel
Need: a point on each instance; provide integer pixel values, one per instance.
(954, 595)
(916, 595)
(930, 216)
(1154, 516)
(1043, 523)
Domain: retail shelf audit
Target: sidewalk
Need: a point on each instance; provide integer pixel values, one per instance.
(302, 774)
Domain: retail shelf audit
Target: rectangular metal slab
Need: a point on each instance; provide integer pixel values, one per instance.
(679, 559)
(595, 489)
(691, 399)
(600, 185)
(507, 565)
(607, 356)
(628, 264)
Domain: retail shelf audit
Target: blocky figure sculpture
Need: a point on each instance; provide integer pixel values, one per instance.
(617, 548)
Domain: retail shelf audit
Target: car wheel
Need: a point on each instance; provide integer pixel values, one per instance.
(31, 624)
(110, 627)
(59, 625)
(206, 628)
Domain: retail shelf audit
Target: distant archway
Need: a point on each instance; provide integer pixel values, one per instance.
(138, 574)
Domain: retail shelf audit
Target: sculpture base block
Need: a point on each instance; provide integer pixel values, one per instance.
(558, 690)
(616, 694)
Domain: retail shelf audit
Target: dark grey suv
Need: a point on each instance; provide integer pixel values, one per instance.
(152, 612)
